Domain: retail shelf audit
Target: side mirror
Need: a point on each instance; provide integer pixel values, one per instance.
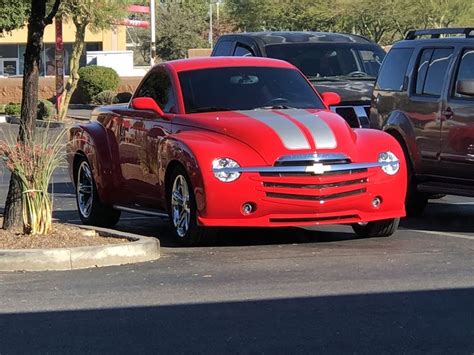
(331, 98)
(465, 87)
(147, 103)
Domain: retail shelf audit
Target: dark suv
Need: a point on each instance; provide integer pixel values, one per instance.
(342, 63)
(424, 97)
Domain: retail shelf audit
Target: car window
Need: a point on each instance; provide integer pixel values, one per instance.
(158, 86)
(466, 70)
(436, 71)
(371, 62)
(223, 48)
(323, 60)
(394, 68)
(246, 88)
(243, 51)
(422, 69)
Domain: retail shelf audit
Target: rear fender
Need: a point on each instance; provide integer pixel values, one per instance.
(99, 146)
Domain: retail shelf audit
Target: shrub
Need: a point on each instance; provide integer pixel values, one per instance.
(106, 97)
(94, 79)
(124, 97)
(33, 162)
(46, 110)
(13, 109)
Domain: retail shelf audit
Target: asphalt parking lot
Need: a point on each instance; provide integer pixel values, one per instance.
(256, 291)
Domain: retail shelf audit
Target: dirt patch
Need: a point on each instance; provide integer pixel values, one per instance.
(62, 236)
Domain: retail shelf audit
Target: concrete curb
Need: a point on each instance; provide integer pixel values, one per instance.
(141, 249)
(39, 123)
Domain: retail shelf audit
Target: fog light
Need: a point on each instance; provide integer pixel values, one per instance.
(376, 202)
(248, 208)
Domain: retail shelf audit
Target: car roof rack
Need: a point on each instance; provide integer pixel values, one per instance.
(437, 32)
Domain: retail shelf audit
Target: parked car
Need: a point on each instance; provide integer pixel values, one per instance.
(343, 63)
(239, 142)
(424, 97)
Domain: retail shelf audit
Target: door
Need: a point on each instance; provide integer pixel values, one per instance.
(8, 66)
(457, 152)
(424, 107)
(142, 134)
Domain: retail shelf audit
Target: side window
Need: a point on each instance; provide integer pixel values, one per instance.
(243, 51)
(422, 69)
(223, 48)
(394, 68)
(158, 86)
(466, 70)
(436, 71)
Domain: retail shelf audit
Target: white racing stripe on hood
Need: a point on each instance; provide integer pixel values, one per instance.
(323, 135)
(289, 133)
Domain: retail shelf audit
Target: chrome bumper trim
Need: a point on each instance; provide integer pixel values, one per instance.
(316, 169)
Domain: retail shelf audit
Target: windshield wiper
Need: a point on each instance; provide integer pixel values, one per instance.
(324, 78)
(209, 109)
(274, 107)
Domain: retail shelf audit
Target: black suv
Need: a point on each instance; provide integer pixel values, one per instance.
(343, 63)
(424, 97)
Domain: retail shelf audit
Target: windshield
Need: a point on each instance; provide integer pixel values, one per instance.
(326, 60)
(246, 88)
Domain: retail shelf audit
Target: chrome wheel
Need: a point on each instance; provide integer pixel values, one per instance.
(180, 205)
(84, 189)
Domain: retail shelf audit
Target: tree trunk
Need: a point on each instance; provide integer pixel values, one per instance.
(12, 215)
(73, 79)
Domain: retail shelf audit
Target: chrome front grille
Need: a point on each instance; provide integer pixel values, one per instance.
(318, 198)
(315, 186)
(306, 186)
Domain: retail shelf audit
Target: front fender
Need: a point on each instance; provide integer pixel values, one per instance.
(100, 148)
(398, 122)
(196, 150)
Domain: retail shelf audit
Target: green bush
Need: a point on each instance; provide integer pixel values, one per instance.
(94, 79)
(46, 110)
(13, 109)
(106, 97)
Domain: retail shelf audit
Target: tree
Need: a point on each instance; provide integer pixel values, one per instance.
(14, 14)
(97, 15)
(180, 26)
(37, 21)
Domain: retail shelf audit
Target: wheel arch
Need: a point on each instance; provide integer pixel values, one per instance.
(399, 126)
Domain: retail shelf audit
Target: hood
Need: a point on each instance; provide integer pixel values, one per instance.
(351, 91)
(274, 133)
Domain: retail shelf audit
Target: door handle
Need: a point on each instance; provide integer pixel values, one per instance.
(448, 113)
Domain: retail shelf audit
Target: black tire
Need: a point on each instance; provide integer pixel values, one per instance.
(192, 234)
(415, 201)
(383, 228)
(97, 214)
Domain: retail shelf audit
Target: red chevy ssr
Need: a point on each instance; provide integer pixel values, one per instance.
(234, 142)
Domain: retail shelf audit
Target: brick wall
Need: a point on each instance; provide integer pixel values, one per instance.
(10, 88)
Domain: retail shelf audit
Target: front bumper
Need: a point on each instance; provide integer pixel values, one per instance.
(305, 195)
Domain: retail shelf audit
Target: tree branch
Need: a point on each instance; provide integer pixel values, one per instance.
(49, 19)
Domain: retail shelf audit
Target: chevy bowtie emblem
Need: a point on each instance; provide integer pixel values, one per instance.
(315, 169)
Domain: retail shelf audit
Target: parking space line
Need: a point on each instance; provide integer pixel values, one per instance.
(452, 235)
(122, 218)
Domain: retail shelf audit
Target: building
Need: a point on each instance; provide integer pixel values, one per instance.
(12, 47)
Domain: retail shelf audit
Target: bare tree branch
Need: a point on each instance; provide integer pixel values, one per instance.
(49, 19)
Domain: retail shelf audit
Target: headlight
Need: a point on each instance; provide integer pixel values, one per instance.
(222, 163)
(390, 161)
